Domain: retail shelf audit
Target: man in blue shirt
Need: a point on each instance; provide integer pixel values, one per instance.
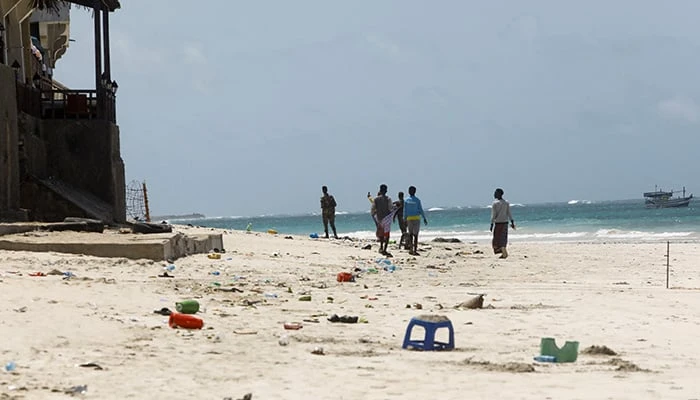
(412, 212)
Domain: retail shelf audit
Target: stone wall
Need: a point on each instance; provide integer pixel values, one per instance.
(9, 158)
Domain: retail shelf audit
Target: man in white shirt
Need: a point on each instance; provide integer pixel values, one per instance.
(500, 215)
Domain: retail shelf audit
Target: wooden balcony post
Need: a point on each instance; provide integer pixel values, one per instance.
(97, 6)
(105, 44)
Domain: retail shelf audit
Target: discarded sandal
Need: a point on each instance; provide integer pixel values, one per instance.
(334, 318)
(163, 311)
(348, 319)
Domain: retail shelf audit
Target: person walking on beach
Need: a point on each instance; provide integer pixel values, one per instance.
(398, 204)
(383, 214)
(328, 211)
(500, 215)
(412, 212)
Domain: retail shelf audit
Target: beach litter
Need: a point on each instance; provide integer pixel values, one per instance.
(10, 366)
(294, 326)
(187, 306)
(566, 353)
(92, 365)
(344, 319)
(80, 389)
(283, 340)
(345, 277)
(318, 351)
(475, 302)
(247, 396)
(185, 321)
(245, 332)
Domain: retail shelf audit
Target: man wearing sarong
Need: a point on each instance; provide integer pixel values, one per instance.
(383, 214)
(500, 215)
(398, 204)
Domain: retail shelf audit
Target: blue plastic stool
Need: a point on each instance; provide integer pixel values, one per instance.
(430, 323)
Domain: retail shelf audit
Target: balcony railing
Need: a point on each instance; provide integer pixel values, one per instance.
(66, 103)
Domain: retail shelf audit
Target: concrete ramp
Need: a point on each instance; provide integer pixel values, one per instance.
(90, 204)
(112, 243)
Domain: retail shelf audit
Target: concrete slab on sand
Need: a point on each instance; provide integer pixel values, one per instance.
(158, 247)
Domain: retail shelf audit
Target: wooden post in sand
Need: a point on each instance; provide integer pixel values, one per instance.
(145, 202)
(668, 257)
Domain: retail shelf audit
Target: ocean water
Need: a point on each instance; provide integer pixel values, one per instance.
(584, 221)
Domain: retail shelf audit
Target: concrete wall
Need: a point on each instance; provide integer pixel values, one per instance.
(86, 155)
(44, 205)
(9, 158)
(157, 247)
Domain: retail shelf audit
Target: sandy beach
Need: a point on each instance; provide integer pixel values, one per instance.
(600, 294)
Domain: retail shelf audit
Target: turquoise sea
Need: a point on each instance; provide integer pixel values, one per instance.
(625, 220)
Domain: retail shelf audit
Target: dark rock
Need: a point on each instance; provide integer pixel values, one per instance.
(446, 240)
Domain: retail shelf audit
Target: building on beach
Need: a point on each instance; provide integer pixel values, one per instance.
(59, 146)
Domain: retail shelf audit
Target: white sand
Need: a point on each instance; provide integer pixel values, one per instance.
(599, 294)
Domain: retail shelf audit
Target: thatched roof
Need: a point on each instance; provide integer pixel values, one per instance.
(54, 5)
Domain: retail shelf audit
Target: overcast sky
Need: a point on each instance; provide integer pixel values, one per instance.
(249, 107)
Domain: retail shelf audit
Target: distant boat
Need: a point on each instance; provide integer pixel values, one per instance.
(664, 199)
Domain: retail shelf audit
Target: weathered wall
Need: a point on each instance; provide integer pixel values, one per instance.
(44, 205)
(86, 155)
(119, 180)
(9, 159)
(32, 149)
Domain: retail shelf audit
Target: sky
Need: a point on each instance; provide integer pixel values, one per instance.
(247, 108)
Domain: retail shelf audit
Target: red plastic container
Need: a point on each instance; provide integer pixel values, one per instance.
(186, 321)
(345, 277)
